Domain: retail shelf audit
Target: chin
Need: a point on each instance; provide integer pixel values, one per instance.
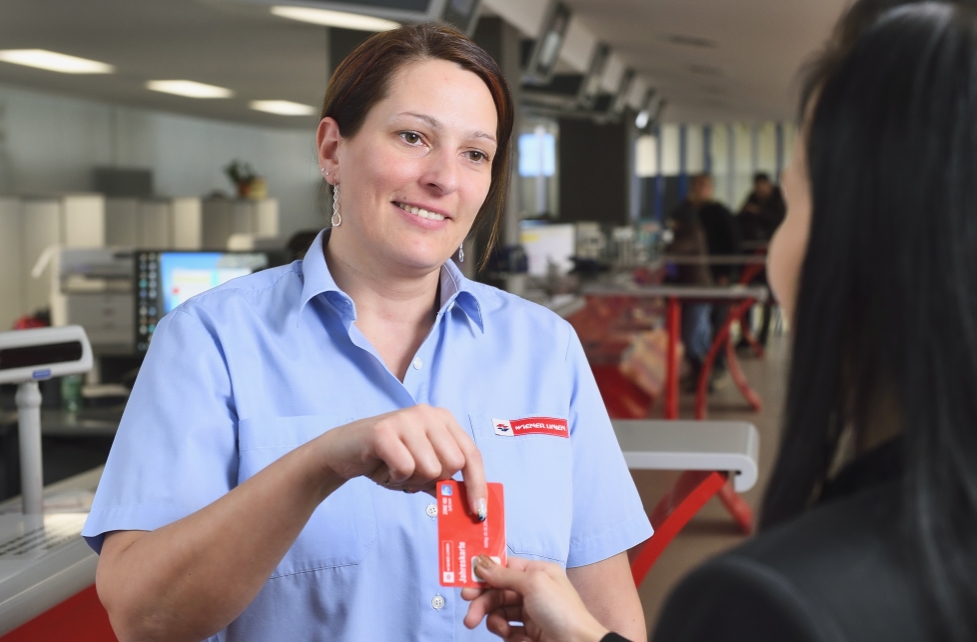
(419, 258)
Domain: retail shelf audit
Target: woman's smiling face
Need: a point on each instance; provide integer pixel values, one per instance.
(415, 175)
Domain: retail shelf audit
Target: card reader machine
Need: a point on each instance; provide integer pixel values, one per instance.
(26, 357)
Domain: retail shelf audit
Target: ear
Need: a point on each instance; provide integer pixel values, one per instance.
(327, 140)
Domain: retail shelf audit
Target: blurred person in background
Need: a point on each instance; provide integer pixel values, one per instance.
(763, 211)
(702, 226)
(869, 524)
(759, 218)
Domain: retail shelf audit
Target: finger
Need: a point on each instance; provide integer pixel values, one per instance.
(500, 577)
(470, 593)
(447, 449)
(427, 464)
(482, 605)
(499, 624)
(392, 451)
(473, 472)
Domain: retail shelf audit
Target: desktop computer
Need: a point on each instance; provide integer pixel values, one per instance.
(165, 279)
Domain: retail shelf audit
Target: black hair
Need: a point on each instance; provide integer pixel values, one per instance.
(859, 17)
(887, 305)
(761, 176)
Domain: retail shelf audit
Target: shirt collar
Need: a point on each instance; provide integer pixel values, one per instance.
(455, 288)
(317, 279)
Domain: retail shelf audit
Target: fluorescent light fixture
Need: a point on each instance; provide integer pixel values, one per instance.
(53, 61)
(642, 119)
(282, 107)
(330, 18)
(189, 89)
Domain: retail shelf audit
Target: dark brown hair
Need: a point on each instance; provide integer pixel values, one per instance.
(363, 79)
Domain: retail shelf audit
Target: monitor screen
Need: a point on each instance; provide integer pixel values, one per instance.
(164, 280)
(548, 244)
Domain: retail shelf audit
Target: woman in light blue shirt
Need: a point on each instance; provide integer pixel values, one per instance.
(255, 490)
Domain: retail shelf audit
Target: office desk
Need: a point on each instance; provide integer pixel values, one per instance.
(719, 458)
(741, 297)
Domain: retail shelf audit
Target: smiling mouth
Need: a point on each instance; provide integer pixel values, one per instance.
(420, 211)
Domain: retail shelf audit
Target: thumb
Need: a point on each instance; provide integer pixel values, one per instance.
(498, 576)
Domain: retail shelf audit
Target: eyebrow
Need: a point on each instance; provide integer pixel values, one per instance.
(436, 124)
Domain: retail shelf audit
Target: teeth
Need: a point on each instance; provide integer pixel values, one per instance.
(418, 211)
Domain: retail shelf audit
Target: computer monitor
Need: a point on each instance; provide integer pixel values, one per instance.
(548, 244)
(165, 279)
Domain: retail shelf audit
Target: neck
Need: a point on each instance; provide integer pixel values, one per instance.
(376, 288)
(394, 309)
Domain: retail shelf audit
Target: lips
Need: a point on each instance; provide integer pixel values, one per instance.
(421, 212)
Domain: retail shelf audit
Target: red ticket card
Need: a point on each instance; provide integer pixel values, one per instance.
(462, 538)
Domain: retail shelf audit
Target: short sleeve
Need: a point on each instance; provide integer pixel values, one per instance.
(608, 517)
(176, 448)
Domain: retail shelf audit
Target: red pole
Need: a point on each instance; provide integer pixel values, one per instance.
(672, 371)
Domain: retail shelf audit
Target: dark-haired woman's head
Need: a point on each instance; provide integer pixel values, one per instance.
(415, 130)
(877, 267)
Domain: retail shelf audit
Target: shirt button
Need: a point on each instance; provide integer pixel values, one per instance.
(437, 602)
(418, 364)
(432, 510)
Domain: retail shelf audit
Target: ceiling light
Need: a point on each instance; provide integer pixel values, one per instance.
(642, 119)
(334, 18)
(189, 89)
(282, 107)
(52, 61)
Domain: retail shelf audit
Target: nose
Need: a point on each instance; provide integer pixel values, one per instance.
(441, 172)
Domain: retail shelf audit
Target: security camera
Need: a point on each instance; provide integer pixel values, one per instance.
(35, 355)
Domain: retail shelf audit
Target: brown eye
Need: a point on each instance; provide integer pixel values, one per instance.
(411, 138)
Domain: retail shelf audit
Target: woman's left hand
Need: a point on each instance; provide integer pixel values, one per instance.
(537, 594)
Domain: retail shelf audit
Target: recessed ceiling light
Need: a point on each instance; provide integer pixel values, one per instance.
(189, 88)
(330, 18)
(53, 61)
(282, 107)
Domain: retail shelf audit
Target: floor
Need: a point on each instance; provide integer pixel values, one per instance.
(712, 530)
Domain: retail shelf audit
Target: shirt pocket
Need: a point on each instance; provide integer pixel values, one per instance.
(537, 476)
(343, 529)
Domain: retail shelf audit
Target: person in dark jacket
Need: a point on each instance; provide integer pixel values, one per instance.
(763, 211)
(759, 218)
(869, 523)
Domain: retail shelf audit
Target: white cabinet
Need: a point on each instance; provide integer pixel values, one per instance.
(164, 224)
(224, 218)
(12, 292)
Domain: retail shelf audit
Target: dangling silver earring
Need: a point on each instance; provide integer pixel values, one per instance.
(337, 218)
(461, 253)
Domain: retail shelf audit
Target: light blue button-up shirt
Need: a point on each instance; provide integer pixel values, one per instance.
(242, 374)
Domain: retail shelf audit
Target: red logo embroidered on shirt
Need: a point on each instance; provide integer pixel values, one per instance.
(531, 426)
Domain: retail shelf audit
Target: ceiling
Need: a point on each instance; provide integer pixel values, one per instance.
(714, 60)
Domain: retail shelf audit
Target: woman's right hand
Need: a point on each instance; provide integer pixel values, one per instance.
(410, 450)
(537, 594)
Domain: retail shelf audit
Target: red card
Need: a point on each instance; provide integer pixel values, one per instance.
(462, 538)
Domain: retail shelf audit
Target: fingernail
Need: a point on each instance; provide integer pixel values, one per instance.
(484, 560)
(482, 510)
